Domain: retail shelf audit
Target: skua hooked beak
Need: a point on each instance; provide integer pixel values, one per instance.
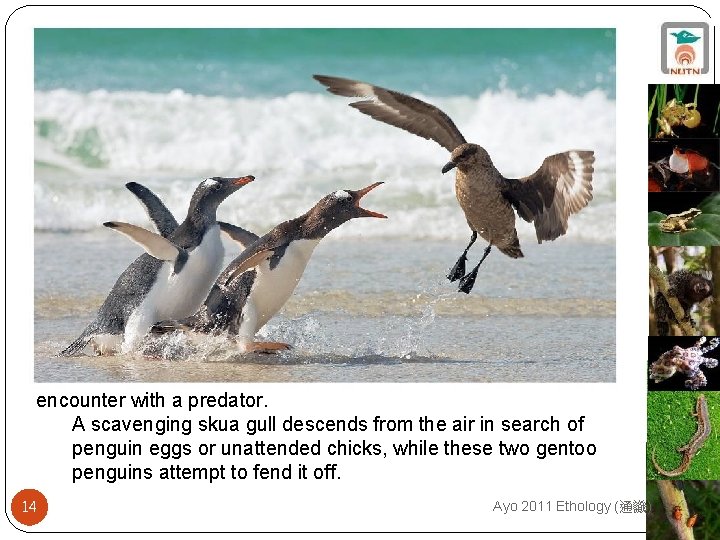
(448, 166)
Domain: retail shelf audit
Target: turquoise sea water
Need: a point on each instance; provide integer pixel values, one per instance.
(274, 62)
(169, 107)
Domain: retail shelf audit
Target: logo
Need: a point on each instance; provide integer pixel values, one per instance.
(685, 48)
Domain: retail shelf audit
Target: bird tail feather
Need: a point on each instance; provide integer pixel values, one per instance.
(510, 246)
(512, 251)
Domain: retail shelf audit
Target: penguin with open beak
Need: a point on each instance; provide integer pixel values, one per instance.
(256, 285)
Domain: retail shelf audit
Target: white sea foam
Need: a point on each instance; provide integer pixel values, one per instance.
(300, 147)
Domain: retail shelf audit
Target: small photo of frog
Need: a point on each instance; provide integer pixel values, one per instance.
(677, 223)
(683, 111)
(683, 165)
(674, 114)
(684, 219)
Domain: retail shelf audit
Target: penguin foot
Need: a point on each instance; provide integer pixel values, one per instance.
(266, 347)
(458, 271)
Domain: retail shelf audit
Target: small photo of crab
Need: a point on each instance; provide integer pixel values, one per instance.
(683, 363)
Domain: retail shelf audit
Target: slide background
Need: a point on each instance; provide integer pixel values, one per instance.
(411, 494)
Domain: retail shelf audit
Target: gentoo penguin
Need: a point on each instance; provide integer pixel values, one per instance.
(560, 187)
(166, 223)
(171, 284)
(258, 283)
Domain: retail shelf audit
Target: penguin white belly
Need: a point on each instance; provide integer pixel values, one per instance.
(185, 291)
(174, 296)
(272, 288)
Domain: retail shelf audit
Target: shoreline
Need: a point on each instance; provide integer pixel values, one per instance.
(365, 311)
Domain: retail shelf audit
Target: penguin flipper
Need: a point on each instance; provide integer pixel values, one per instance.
(156, 210)
(250, 262)
(154, 244)
(76, 346)
(238, 234)
(81, 342)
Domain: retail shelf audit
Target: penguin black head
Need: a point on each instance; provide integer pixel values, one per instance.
(336, 208)
(467, 156)
(212, 191)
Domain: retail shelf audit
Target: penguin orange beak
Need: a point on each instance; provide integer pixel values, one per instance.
(448, 166)
(357, 195)
(244, 180)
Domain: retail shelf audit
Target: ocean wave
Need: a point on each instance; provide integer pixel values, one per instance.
(300, 147)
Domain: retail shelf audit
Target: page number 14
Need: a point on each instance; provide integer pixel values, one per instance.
(29, 506)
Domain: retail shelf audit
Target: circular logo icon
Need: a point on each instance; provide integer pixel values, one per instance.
(685, 55)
